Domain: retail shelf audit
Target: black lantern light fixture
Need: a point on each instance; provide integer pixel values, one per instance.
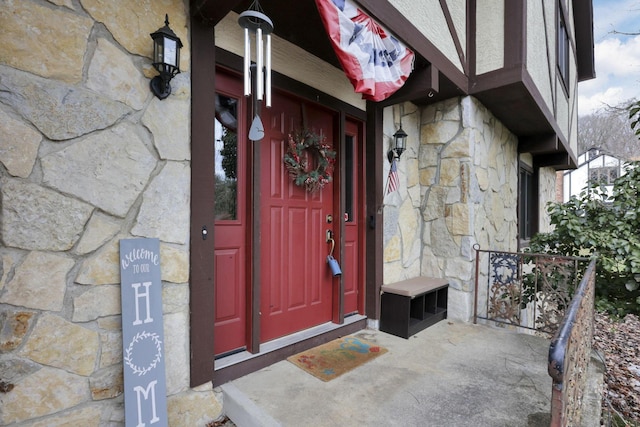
(400, 143)
(166, 59)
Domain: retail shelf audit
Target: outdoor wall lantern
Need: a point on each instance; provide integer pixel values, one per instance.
(166, 59)
(400, 138)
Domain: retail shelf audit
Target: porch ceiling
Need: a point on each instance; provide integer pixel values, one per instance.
(299, 23)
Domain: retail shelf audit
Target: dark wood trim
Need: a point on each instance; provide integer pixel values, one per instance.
(583, 23)
(374, 226)
(454, 36)
(496, 78)
(536, 144)
(515, 33)
(201, 289)
(238, 370)
(558, 161)
(402, 28)
(420, 84)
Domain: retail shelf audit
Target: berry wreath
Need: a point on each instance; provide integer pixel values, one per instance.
(309, 160)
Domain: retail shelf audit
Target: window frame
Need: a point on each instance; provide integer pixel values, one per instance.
(563, 47)
(528, 195)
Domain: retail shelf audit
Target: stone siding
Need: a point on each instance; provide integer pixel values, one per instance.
(88, 156)
(458, 188)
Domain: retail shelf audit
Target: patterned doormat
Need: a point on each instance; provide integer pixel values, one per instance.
(334, 358)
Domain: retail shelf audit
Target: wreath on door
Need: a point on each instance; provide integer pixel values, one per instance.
(309, 160)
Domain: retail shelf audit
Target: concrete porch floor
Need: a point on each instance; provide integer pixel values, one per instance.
(450, 374)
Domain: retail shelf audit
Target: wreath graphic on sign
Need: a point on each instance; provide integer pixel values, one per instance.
(141, 336)
(309, 160)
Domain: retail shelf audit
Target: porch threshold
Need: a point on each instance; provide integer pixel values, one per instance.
(236, 365)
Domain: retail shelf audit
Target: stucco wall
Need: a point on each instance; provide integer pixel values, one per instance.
(489, 36)
(542, 66)
(88, 156)
(465, 193)
(546, 193)
(541, 48)
(428, 18)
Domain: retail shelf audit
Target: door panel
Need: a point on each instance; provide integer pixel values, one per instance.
(295, 280)
(231, 226)
(353, 273)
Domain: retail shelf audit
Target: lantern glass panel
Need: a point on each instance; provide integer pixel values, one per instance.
(170, 51)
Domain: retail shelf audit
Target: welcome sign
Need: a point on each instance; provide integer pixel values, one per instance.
(145, 395)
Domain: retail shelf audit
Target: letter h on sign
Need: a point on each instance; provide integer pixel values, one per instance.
(145, 395)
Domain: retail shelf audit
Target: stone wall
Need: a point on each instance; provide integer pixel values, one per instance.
(88, 156)
(458, 188)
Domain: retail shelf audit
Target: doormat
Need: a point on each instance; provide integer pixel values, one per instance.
(336, 357)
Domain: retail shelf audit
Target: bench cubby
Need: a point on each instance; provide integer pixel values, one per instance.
(409, 306)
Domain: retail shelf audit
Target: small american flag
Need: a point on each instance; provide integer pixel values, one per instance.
(393, 179)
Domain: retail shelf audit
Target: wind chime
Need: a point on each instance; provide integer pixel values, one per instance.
(254, 21)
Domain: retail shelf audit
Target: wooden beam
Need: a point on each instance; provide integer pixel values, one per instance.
(375, 221)
(539, 144)
(420, 84)
(202, 289)
(557, 161)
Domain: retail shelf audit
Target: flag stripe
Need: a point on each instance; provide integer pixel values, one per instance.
(376, 62)
(394, 179)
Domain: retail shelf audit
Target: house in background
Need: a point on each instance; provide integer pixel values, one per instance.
(594, 166)
(89, 157)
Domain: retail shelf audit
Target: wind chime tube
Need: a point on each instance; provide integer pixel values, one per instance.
(247, 63)
(259, 65)
(268, 71)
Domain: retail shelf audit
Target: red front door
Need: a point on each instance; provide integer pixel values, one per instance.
(296, 288)
(296, 283)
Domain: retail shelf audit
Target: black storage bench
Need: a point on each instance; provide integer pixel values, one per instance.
(412, 305)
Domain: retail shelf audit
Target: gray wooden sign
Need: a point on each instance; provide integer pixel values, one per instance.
(145, 388)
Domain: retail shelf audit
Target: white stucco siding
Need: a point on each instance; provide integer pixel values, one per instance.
(546, 194)
(573, 125)
(427, 16)
(489, 35)
(541, 51)
(293, 62)
(458, 10)
(562, 108)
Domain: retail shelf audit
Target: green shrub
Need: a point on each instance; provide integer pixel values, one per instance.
(596, 223)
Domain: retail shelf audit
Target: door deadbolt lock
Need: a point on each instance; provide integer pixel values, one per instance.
(329, 219)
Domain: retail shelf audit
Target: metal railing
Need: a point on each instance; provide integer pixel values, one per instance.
(526, 290)
(570, 352)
